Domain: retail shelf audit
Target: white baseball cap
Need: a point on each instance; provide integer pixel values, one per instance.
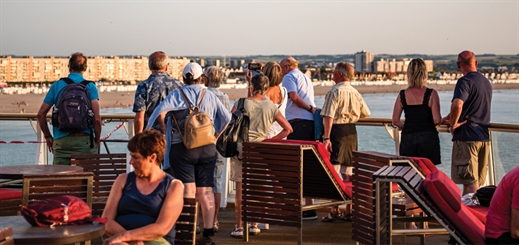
(194, 69)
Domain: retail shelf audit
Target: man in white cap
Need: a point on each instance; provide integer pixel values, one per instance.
(194, 167)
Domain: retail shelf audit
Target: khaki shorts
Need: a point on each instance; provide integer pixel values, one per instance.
(236, 172)
(68, 145)
(469, 162)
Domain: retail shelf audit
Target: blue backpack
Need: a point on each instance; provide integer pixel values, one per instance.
(74, 112)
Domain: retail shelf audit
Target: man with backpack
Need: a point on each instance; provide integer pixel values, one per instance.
(76, 117)
(191, 149)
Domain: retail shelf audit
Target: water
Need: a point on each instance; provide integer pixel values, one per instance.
(505, 109)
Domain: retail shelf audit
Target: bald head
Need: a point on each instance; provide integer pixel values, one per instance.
(287, 64)
(467, 62)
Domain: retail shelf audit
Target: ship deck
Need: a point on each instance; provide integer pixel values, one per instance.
(314, 232)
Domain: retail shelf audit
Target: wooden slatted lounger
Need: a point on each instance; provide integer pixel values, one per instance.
(437, 195)
(277, 174)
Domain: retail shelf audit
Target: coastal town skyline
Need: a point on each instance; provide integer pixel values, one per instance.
(261, 27)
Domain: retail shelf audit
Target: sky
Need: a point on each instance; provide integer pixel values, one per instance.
(260, 27)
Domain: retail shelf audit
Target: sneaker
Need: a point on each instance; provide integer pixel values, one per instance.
(262, 226)
(309, 215)
(254, 230)
(202, 240)
(216, 226)
(238, 232)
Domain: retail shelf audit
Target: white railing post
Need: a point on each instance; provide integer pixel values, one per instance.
(131, 132)
(41, 150)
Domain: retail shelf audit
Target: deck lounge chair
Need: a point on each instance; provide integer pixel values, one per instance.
(437, 195)
(277, 174)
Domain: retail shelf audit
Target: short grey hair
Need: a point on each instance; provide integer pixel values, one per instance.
(214, 76)
(158, 61)
(346, 69)
(416, 73)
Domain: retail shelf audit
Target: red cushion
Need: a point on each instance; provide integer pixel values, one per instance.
(448, 190)
(440, 190)
(425, 165)
(479, 211)
(325, 155)
(6, 194)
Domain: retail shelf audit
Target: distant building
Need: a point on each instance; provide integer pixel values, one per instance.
(397, 66)
(364, 61)
(50, 68)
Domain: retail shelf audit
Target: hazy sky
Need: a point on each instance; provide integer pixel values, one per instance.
(231, 28)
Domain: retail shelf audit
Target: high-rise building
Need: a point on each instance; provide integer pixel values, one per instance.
(364, 61)
(50, 68)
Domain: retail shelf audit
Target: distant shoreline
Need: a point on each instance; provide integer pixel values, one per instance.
(30, 103)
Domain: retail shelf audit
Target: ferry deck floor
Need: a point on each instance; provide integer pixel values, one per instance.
(315, 232)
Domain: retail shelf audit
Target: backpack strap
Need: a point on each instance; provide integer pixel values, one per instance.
(201, 97)
(188, 107)
(67, 80)
(245, 128)
(86, 82)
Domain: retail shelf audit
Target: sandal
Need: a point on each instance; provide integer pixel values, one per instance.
(348, 217)
(334, 217)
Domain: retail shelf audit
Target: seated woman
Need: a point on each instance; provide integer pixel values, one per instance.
(144, 205)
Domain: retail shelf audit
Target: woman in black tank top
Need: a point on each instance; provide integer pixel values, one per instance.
(421, 106)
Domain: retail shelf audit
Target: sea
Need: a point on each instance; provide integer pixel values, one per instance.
(505, 109)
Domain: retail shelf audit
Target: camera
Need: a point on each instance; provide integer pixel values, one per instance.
(254, 68)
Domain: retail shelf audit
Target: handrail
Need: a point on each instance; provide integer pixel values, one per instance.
(363, 121)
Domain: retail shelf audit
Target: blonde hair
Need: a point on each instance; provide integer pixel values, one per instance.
(416, 73)
(273, 71)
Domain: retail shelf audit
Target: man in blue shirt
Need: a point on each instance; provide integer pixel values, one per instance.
(469, 121)
(300, 109)
(194, 167)
(63, 144)
(153, 90)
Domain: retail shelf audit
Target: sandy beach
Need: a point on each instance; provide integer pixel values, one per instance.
(30, 103)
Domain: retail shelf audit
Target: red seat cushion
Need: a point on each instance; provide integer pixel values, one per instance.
(6, 194)
(425, 165)
(325, 155)
(446, 196)
(479, 211)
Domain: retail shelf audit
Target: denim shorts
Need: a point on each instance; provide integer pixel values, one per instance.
(195, 165)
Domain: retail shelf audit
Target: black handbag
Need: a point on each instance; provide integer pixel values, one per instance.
(238, 128)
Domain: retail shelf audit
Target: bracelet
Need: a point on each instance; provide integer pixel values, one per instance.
(325, 139)
(311, 107)
(48, 136)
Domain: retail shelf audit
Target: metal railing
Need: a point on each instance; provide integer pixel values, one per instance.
(127, 122)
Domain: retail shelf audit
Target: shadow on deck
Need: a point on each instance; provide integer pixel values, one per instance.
(314, 232)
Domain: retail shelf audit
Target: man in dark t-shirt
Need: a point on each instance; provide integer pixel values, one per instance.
(469, 121)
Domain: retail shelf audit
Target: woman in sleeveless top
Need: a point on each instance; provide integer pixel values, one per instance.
(144, 205)
(262, 113)
(421, 106)
(276, 93)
